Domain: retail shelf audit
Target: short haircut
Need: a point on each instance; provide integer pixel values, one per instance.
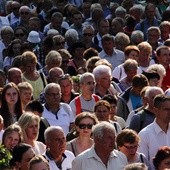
(25, 86)
(102, 103)
(160, 99)
(28, 57)
(84, 76)
(34, 105)
(131, 48)
(158, 50)
(136, 166)
(139, 81)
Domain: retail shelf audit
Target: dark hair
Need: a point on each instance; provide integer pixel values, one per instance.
(139, 81)
(102, 103)
(78, 44)
(34, 105)
(112, 99)
(127, 136)
(4, 106)
(162, 153)
(90, 52)
(159, 99)
(19, 151)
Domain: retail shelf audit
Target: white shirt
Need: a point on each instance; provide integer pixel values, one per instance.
(64, 117)
(115, 59)
(39, 147)
(89, 160)
(66, 164)
(152, 138)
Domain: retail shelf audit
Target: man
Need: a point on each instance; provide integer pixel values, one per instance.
(56, 153)
(113, 56)
(165, 31)
(163, 57)
(145, 116)
(102, 74)
(14, 75)
(130, 99)
(156, 134)
(57, 114)
(102, 155)
(87, 99)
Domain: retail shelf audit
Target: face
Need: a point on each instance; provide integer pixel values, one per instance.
(164, 164)
(150, 12)
(79, 52)
(66, 87)
(53, 96)
(154, 82)
(88, 34)
(32, 130)
(144, 56)
(163, 113)
(153, 36)
(164, 57)
(54, 75)
(85, 126)
(131, 73)
(129, 149)
(27, 156)
(108, 46)
(26, 95)
(34, 25)
(102, 113)
(2, 81)
(133, 55)
(104, 27)
(88, 85)
(11, 96)
(115, 27)
(15, 77)
(165, 31)
(19, 33)
(107, 144)
(30, 67)
(57, 143)
(11, 140)
(77, 19)
(56, 23)
(16, 49)
(39, 166)
(105, 80)
(24, 14)
(7, 36)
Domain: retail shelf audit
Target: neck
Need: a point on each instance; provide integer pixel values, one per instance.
(164, 126)
(102, 91)
(11, 108)
(87, 97)
(53, 108)
(30, 142)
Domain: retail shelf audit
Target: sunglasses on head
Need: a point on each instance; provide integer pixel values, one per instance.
(84, 126)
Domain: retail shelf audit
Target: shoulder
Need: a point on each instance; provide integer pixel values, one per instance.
(69, 155)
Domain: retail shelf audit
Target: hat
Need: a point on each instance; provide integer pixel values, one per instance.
(33, 37)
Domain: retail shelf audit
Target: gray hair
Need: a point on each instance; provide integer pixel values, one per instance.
(152, 89)
(99, 129)
(100, 69)
(84, 76)
(137, 34)
(72, 35)
(5, 29)
(51, 85)
(130, 64)
(122, 38)
(120, 9)
(47, 133)
(88, 27)
(158, 68)
(136, 166)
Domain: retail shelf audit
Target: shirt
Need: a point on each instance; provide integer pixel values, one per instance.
(89, 160)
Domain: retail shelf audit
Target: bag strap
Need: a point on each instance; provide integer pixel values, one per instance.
(43, 79)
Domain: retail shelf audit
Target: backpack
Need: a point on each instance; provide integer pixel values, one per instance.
(78, 102)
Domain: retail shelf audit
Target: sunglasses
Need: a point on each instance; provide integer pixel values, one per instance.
(87, 34)
(24, 13)
(131, 147)
(84, 126)
(19, 35)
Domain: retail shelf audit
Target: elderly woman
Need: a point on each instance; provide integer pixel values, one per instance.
(84, 123)
(31, 75)
(58, 42)
(127, 142)
(161, 160)
(53, 59)
(29, 124)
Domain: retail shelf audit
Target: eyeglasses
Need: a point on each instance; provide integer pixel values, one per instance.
(87, 34)
(24, 13)
(19, 35)
(60, 43)
(131, 147)
(84, 126)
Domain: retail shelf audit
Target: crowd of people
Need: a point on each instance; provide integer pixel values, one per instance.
(84, 84)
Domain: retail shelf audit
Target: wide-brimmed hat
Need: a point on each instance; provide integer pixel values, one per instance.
(33, 37)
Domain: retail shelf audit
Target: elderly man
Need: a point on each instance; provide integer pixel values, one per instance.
(102, 155)
(87, 99)
(57, 113)
(14, 75)
(156, 134)
(56, 153)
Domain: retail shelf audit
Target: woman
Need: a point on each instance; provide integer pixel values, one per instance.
(11, 107)
(13, 50)
(161, 160)
(66, 85)
(102, 111)
(21, 33)
(12, 136)
(31, 75)
(127, 143)
(84, 123)
(29, 124)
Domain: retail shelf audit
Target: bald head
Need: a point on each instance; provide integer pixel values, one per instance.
(14, 75)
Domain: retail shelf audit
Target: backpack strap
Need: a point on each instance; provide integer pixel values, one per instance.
(43, 79)
(141, 158)
(115, 125)
(142, 119)
(78, 102)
